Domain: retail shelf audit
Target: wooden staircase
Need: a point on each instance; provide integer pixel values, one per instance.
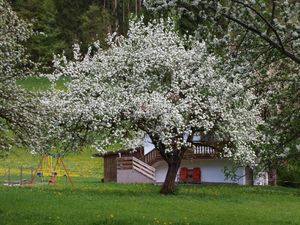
(132, 163)
(152, 157)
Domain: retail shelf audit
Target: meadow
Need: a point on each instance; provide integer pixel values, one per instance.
(93, 202)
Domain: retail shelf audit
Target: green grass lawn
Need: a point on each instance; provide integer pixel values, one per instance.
(92, 202)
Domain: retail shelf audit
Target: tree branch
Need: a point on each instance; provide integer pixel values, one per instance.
(240, 44)
(256, 31)
(264, 19)
(267, 39)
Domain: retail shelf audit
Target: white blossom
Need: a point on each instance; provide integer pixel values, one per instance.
(157, 83)
(21, 112)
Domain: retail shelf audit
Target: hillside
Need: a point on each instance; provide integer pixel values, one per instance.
(79, 164)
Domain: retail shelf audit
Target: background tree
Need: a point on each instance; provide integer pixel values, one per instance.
(95, 24)
(46, 41)
(154, 82)
(60, 24)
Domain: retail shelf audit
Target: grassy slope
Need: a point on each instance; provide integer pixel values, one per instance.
(79, 164)
(39, 83)
(95, 203)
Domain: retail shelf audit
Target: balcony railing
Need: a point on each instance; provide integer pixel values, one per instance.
(197, 151)
(203, 150)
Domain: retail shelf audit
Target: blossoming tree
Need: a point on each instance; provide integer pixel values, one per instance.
(265, 33)
(155, 82)
(22, 114)
(275, 23)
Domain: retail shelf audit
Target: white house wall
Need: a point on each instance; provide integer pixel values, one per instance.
(212, 170)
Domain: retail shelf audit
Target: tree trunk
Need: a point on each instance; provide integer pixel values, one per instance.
(249, 176)
(169, 183)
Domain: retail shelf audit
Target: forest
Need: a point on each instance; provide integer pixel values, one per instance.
(61, 24)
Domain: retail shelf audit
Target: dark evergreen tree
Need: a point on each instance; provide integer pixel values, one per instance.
(46, 40)
(61, 23)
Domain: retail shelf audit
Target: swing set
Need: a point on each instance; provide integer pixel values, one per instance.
(47, 168)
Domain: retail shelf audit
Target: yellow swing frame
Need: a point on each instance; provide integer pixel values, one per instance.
(59, 162)
(45, 166)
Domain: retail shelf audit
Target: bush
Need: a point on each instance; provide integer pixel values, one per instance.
(289, 174)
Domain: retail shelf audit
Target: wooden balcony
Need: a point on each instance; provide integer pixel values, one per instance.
(203, 150)
(196, 152)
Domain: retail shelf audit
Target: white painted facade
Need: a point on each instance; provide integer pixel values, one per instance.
(212, 170)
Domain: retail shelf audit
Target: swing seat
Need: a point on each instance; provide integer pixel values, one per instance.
(39, 174)
(52, 179)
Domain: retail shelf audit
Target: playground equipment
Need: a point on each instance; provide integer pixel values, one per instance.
(14, 179)
(46, 168)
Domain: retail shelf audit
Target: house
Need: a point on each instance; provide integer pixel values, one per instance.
(200, 164)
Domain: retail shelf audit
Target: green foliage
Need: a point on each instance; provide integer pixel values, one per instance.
(95, 24)
(289, 175)
(59, 24)
(46, 41)
(94, 203)
(68, 21)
